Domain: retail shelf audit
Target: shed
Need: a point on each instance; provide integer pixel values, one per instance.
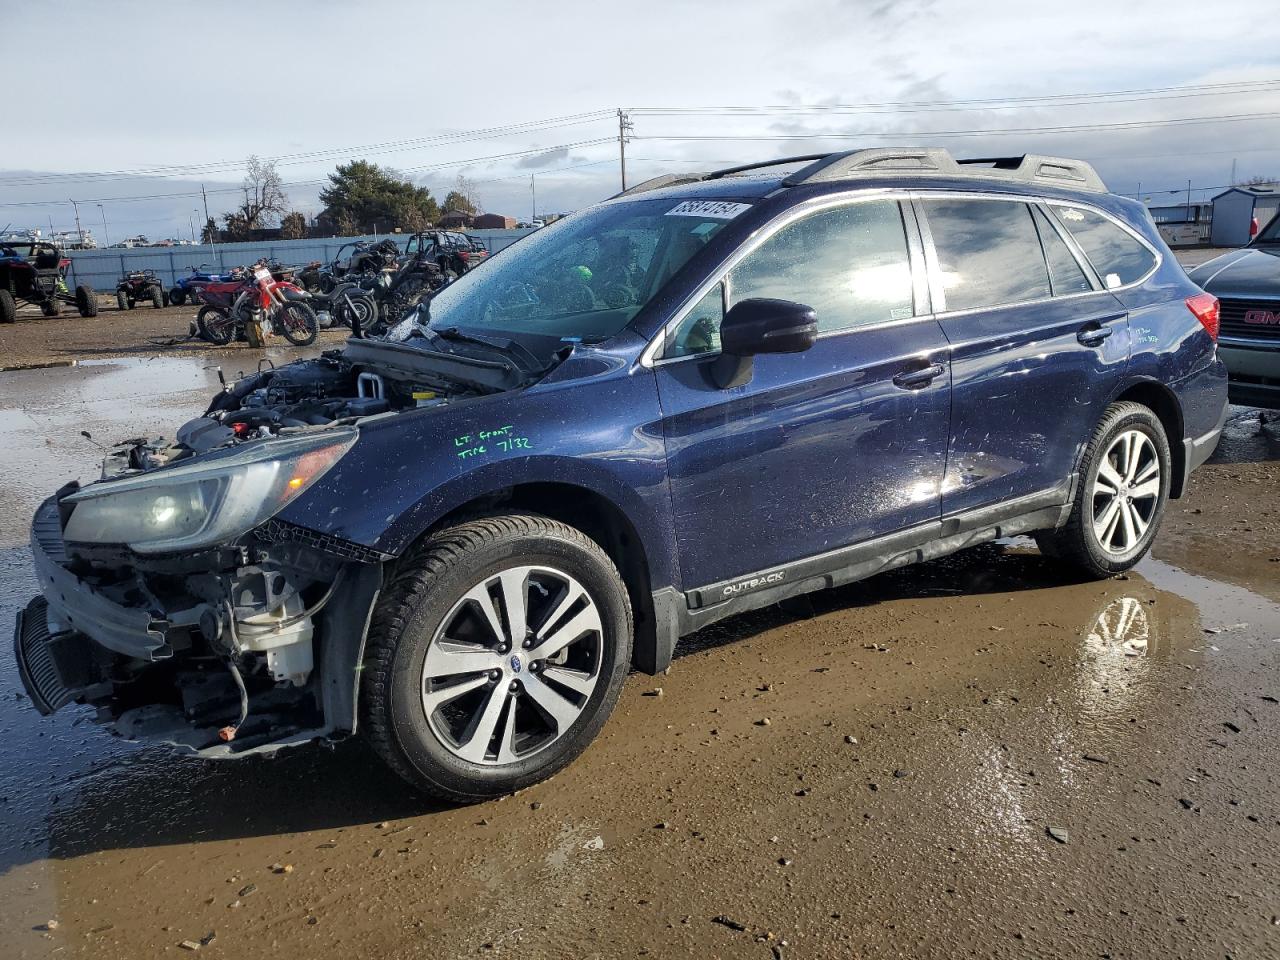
(1234, 210)
(455, 219)
(493, 221)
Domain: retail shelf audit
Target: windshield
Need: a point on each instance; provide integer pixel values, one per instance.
(586, 276)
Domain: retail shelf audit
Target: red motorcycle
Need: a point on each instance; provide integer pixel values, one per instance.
(254, 304)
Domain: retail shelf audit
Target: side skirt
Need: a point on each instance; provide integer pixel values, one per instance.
(702, 606)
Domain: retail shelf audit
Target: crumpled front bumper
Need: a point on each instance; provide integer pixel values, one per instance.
(76, 605)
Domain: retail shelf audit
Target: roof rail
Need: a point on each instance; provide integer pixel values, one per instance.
(1034, 168)
(663, 180)
(761, 165)
(905, 161)
(889, 161)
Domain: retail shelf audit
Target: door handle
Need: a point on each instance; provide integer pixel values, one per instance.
(1092, 334)
(918, 377)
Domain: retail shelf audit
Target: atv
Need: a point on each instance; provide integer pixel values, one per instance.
(188, 287)
(139, 285)
(35, 272)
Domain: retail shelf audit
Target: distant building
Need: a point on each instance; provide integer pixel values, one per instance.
(493, 221)
(1235, 209)
(455, 219)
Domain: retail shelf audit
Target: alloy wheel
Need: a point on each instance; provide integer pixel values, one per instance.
(1126, 492)
(512, 665)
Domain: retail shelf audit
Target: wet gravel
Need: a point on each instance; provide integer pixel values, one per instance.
(976, 757)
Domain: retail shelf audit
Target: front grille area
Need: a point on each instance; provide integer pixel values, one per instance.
(1256, 319)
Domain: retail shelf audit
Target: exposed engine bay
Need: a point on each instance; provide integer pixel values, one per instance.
(178, 607)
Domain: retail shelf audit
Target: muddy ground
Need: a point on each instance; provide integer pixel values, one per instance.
(927, 730)
(36, 341)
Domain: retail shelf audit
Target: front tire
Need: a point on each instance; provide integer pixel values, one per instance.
(496, 654)
(8, 308)
(177, 297)
(1124, 486)
(86, 301)
(298, 323)
(122, 301)
(157, 297)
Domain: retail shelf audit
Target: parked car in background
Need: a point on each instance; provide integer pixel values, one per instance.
(706, 395)
(1247, 284)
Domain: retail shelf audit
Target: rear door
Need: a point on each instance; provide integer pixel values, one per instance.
(821, 449)
(1037, 347)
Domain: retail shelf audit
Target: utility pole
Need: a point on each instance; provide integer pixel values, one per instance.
(1188, 199)
(106, 238)
(625, 127)
(79, 231)
(212, 233)
(533, 191)
(1232, 181)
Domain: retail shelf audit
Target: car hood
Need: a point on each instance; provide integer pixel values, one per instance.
(1254, 272)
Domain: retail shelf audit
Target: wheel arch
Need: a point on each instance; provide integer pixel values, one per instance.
(1163, 402)
(605, 522)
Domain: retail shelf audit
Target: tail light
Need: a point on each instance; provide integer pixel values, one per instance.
(464, 255)
(1205, 307)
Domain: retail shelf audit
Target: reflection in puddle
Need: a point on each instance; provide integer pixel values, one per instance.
(1123, 623)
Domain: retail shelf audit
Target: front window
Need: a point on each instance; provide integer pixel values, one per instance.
(849, 263)
(584, 277)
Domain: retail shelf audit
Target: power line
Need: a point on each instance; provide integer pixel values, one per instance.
(924, 134)
(996, 103)
(427, 168)
(486, 133)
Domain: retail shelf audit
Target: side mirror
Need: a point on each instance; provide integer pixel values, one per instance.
(758, 325)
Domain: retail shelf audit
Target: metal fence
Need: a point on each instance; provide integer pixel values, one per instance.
(102, 269)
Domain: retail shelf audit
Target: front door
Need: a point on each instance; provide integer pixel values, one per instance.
(821, 449)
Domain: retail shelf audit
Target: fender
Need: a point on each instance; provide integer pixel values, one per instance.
(407, 470)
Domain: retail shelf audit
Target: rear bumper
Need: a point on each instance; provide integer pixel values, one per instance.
(1196, 450)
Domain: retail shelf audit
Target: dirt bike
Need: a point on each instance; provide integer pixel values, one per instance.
(254, 305)
(346, 305)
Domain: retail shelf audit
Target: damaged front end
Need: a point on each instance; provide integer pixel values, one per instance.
(178, 607)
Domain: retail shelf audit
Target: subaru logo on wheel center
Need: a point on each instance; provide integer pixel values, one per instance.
(515, 664)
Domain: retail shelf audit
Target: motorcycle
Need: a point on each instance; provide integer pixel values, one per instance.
(347, 305)
(254, 305)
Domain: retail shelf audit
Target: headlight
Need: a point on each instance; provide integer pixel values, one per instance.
(202, 504)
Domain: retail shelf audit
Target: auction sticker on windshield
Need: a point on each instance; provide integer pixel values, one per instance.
(715, 209)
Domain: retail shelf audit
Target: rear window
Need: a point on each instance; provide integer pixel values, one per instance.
(1117, 255)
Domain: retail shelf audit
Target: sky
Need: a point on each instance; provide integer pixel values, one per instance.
(143, 99)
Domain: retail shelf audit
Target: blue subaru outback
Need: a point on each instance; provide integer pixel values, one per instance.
(705, 395)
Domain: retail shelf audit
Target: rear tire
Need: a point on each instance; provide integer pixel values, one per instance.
(177, 297)
(122, 301)
(86, 301)
(51, 308)
(1123, 489)
(8, 309)
(522, 718)
(215, 325)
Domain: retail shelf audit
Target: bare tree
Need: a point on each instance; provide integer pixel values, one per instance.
(264, 196)
(463, 198)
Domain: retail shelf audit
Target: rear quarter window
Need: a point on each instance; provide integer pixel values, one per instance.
(1117, 255)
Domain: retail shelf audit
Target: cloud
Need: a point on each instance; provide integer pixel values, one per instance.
(549, 158)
